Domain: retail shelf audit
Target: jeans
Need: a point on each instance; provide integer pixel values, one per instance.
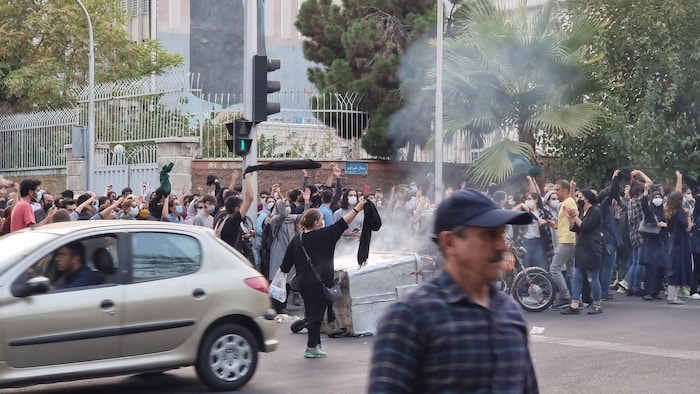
(608, 267)
(636, 271)
(577, 285)
(535, 253)
(563, 254)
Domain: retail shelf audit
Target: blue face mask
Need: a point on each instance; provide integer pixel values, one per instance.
(38, 196)
(178, 209)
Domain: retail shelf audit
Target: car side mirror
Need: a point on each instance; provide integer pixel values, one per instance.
(36, 285)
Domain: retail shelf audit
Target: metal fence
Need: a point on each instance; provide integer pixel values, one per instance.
(134, 113)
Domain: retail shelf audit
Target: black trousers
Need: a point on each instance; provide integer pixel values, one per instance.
(315, 306)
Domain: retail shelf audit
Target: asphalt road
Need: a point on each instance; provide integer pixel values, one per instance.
(635, 346)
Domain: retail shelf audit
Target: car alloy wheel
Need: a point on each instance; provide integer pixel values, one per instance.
(228, 357)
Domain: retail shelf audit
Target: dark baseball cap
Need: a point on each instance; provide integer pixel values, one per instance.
(471, 208)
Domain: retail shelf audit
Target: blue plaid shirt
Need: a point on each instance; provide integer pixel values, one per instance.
(436, 340)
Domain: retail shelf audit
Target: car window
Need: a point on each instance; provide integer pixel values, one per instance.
(159, 256)
(16, 246)
(97, 263)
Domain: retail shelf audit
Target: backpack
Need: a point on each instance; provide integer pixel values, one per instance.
(220, 226)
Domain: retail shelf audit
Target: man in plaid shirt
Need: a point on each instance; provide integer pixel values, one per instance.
(457, 333)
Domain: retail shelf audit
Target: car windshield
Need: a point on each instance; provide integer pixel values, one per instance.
(17, 245)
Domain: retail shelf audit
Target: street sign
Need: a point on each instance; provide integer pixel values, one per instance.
(356, 168)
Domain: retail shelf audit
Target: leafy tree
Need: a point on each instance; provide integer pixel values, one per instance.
(651, 60)
(510, 71)
(44, 50)
(358, 47)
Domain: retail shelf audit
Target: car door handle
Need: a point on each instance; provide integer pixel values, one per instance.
(107, 304)
(198, 293)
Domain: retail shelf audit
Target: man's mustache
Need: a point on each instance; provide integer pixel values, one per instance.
(497, 258)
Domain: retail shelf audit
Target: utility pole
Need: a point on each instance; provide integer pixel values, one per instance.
(90, 156)
(438, 104)
(253, 8)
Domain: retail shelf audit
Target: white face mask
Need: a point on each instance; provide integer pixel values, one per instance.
(688, 197)
(352, 200)
(270, 205)
(554, 204)
(134, 211)
(530, 204)
(657, 201)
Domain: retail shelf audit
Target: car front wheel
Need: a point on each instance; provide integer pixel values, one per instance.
(228, 357)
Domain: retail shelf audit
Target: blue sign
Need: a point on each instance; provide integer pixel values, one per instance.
(355, 168)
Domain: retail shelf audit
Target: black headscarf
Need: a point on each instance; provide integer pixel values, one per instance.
(372, 222)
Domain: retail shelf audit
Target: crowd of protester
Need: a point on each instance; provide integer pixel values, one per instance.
(263, 240)
(634, 236)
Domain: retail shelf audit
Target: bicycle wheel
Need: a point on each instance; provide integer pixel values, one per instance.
(533, 289)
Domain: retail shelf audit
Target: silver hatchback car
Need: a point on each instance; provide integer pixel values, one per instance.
(98, 298)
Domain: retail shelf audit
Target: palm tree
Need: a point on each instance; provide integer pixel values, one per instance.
(512, 71)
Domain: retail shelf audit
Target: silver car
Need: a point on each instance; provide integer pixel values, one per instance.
(143, 297)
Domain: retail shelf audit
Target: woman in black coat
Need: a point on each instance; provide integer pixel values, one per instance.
(588, 254)
(655, 249)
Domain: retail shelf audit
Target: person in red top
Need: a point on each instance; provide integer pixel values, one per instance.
(22, 212)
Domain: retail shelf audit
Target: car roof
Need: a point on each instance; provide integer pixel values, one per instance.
(64, 228)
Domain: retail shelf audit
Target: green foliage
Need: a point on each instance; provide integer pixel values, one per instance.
(44, 50)
(511, 71)
(652, 64)
(359, 47)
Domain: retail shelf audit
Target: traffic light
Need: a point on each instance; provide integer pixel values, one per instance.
(262, 87)
(240, 131)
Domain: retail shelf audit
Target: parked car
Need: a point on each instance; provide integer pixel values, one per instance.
(155, 296)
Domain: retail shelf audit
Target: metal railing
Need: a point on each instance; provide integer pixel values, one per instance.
(133, 113)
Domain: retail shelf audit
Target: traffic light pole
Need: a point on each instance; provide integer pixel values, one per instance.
(250, 49)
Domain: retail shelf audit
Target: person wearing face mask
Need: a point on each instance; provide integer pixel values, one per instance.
(205, 208)
(46, 204)
(536, 237)
(347, 204)
(586, 223)
(551, 206)
(175, 209)
(130, 209)
(319, 243)
(283, 226)
(655, 248)
(262, 249)
(22, 212)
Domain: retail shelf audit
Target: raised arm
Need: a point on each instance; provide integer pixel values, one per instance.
(338, 186)
(679, 181)
(329, 181)
(234, 179)
(249, 196)
(643, 175)
(533, 186)
(305, 181)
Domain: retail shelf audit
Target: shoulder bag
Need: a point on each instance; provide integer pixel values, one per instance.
(333, 294)
(649, 229)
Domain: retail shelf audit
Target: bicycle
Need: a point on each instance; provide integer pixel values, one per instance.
(532, 288)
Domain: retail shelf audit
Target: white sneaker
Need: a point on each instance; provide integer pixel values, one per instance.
(623, 284)
(621, 290)
(695, 296)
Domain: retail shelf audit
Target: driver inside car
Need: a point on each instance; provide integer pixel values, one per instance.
(70, 260)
